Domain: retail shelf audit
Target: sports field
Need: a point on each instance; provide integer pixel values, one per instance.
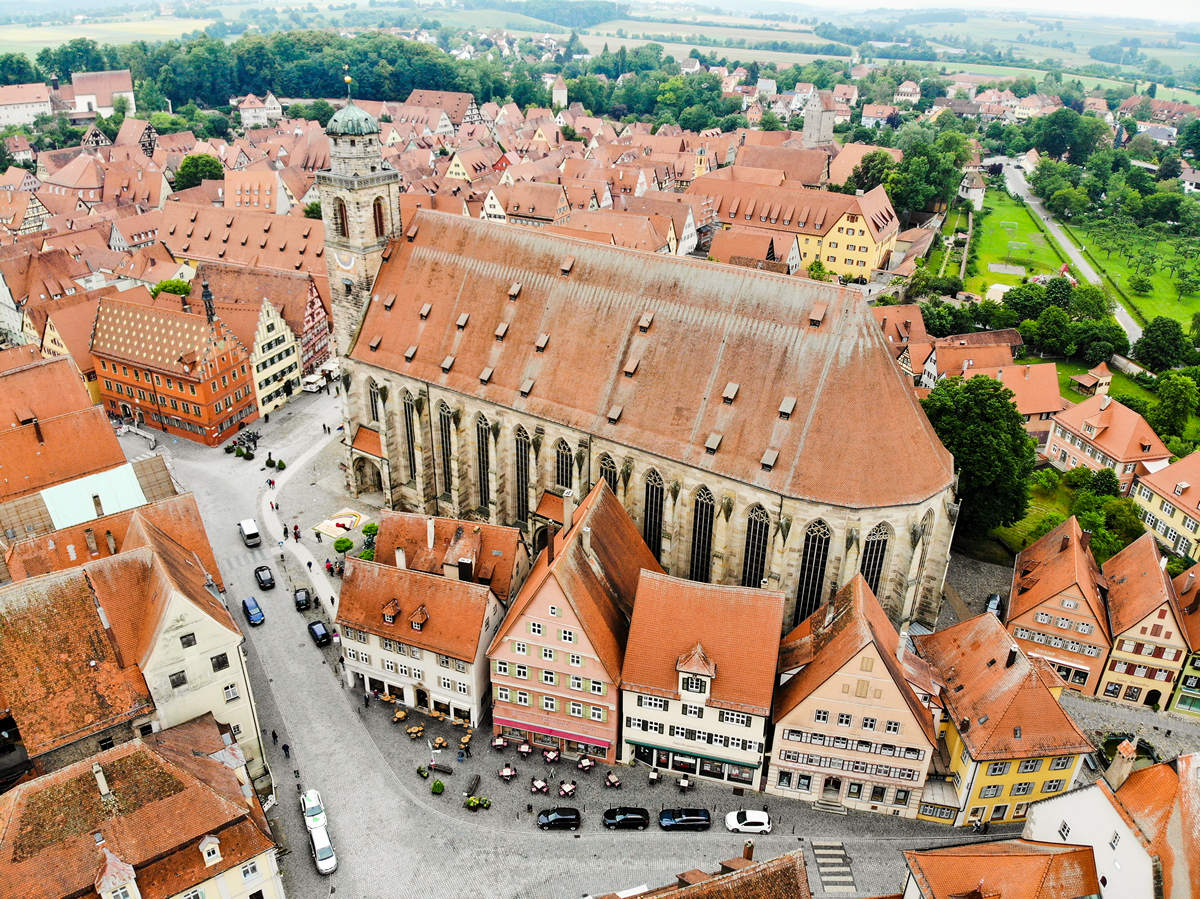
(1008, 237)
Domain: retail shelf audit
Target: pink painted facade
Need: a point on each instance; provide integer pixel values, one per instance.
(548, 684)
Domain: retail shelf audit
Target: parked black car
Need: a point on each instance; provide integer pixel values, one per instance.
(319, 633)
(266, 580)
(626, 818)
(303, 599)
(684, 819)
(559, 818)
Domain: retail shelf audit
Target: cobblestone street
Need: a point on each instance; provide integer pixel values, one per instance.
(392, 836)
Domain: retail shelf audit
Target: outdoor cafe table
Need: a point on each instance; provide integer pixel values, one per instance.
(499, 743)
(507, 773)
(525, 749)
(586, 764)
(566, 789)
(550, 755)
(538, 786)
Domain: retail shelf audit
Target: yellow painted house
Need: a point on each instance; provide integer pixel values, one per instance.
(1004, 740)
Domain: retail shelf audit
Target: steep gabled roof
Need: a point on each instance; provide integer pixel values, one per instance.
(1119, 431)
(599, 584)
(727, 633)
(833, 636)
(999, 701)
(1138, 584)
(1058, 561)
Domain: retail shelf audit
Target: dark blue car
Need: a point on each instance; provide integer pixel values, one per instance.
(253, 611)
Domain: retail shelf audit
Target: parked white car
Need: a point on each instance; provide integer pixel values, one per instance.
(322, 850)
(313, 809)
(746, 821)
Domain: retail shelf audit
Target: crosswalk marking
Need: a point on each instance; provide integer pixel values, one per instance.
(833, 866)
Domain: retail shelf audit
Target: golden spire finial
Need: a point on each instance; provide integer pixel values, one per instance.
(347, 79)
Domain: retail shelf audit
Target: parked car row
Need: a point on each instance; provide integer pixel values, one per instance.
(302, 598)
(634, 818)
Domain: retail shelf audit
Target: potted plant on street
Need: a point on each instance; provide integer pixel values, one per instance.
(437, 788)
(279, 466)
(422, 770)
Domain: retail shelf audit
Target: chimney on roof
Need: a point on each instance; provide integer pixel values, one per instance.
(207, 296)
(1189, 583)
(1066, 542)
(1105, 401)
(1085, 539)
(429, 533)
(568, 499)
(1162, 563)
(748, 850)
(1012, 656)
(551, 533)
(1028, 368)
(101, 781)
(401, 559)
(37, 430)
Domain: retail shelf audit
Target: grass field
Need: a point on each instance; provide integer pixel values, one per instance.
(31, 39)
(763, 32)
(493, 18)
(1009, 236)
(1017, 537)
(1163, 298)
(595, 43)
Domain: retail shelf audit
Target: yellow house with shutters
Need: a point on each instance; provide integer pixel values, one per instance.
(1004, 739)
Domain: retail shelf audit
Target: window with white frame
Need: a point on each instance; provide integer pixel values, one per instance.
(844, 719)
(522, 698)
(693, 711)
(597, 687)
(549, 678)
(576, 709)
(991, 791)
(553, 611)
(1052, 786)
(445, 683)
(520, 648)
(597, 714)
(501, 666)
(231, 692)
(1022, 789)
(535, 628)
(821, 716)
(521, 671)
(695, 684)
(389, 666)
(576, 682)
(1064, 830)
(502, 694)
(741, 719)
(249, 870)
(567, 636)
(549, 703)
(1061, 763)
(998, 769)
(868, 723)
(893, 727)
(1029, 765)
(547, 653)
(652, 702)
(575, 659)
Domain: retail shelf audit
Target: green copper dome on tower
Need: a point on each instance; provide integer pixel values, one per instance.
(353, 121)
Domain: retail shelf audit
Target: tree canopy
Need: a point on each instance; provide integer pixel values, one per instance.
(196, 168)
(978, 423)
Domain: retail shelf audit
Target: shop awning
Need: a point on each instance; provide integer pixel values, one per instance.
(699, 755)
(551, 732)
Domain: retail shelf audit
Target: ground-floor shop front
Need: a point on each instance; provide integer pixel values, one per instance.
(416, 696)
(541, 738)
(736, 772)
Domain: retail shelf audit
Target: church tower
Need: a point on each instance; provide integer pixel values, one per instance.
(360, 205)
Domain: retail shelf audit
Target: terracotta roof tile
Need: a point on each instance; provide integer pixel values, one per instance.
(1119, 431)
(784, 877)
(803, 165)
(737, 628)
(599, 585)
(499, 552)
(1164, 801)
(831, 637)
(1138, 584)
(713, 324)
(39, 455)
(451, 611)
(1047, 568)
(999, 700)
(1005, 869)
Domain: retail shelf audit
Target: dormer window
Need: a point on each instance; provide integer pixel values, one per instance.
(692, 684)
(390, 610)
(210, 848)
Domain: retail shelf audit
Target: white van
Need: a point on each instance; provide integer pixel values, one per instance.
(313, 384)
(249, 531)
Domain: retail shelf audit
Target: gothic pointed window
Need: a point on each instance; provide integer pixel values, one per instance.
(376, 401)
(813, 558)
(446, 426)
(564, 465)
(483, 437)
(754, 560)
(608, 471)
(410, 434)
(652, 523)
(340, 223)
(702, 524)
(522, 479)
(874, 551)
(377, 209)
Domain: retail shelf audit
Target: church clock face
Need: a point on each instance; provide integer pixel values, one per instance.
(345, 261)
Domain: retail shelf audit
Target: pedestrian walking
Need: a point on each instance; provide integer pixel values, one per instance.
(286, 532)
(366, 700)
(274, 738)
(310, 564)
(318, 533)
(287, 751)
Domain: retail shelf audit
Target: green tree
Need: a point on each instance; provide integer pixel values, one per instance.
(313, 210)
(1106, 483)
(978, 423)
(817, 271)
(172, 285)
(1187, 282)
(196, 168)
(875, 168)
(1054, 332)
(1177, 397)
(343, 545)
(770, 122)
(1140, 284)
(1162, 345)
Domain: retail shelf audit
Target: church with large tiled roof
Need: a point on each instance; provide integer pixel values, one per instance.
(752, 424)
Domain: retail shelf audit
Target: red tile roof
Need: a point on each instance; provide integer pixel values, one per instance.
(1138, 584)
(450, 611)
(1035, 387)
(1119, 431)
(168, 793)
(833, 636)
(741, 326)
(738, 628)
(39, 455)
(498, 552)
(1005, 869)
(1056, 562)
(1001, 710)
(599, 584)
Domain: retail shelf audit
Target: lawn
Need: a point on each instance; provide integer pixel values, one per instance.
(595, 43)
(31, 39)
(1163, 298)
(1017, 537)
(1008, 235)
